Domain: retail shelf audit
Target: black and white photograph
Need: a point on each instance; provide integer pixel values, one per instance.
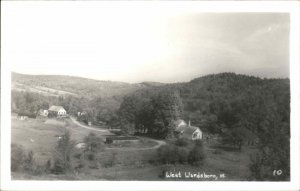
(155, 92)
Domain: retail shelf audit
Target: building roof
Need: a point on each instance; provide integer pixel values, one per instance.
(188, 131)
(179, 121)
(180, 128)
(55, 108)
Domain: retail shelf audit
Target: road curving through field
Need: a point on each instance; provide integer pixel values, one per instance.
(89, 128)
(159, 142)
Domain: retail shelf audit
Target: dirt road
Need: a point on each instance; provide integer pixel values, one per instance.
(89, 128)
(159, 142)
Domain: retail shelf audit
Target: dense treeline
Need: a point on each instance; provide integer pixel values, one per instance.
(216, 103)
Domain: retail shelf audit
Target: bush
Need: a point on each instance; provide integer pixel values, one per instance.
(17, 157)
(93, 143)
(110, 160)
(173, 153)
(28, 162)
(168, 154)
(183, 154)
(197, 155)
(58, 167)
(24, 162)
(181, 142)
(48, 166)
(217, 152)
(77, 155)
(90, 156)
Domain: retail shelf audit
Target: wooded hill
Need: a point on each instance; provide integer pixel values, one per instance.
(222, 101)
(242, 110)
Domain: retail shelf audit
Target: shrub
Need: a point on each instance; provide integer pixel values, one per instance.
(217, 152)
(94, 165)
(180, 151)
(48, 166)
(181, 142)
(25, 162)
(197, 155)
(77, 155)
(17, 157)
(81, 165)
(28, 162)
(90, 156)
(93, 143)
(168, 154)
(58, 167)
(183, 154)
(110, 160)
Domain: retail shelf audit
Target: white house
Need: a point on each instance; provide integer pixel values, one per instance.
(188, 132)
(57, 111)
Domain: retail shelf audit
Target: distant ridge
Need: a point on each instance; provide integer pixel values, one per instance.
(56, 85)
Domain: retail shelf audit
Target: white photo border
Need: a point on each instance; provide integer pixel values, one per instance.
(185, 6)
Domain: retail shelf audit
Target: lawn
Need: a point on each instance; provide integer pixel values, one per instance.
(37, 136)
(126, 162)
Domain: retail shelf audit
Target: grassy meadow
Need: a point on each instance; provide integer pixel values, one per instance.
(117, 161)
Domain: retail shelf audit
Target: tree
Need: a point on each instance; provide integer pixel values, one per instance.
(127, 127)
(167, 108)
(63, 151)
(236, 137)
(128, 112)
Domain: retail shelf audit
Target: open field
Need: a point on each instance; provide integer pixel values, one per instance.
(119, 162)
(41, 90)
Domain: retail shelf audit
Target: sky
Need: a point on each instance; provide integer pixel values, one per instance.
(135, 44)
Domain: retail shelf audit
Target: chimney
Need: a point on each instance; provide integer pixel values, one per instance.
(189, 122)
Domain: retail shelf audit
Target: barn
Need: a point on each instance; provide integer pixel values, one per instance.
(56, 111)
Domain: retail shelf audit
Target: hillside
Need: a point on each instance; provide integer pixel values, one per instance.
(56, 85)
(212, 99)
(218, 101)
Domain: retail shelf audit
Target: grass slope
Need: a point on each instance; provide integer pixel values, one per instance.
(129, 164)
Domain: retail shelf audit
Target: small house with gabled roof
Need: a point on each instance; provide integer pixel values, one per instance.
(187, 131)
(57, 111)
